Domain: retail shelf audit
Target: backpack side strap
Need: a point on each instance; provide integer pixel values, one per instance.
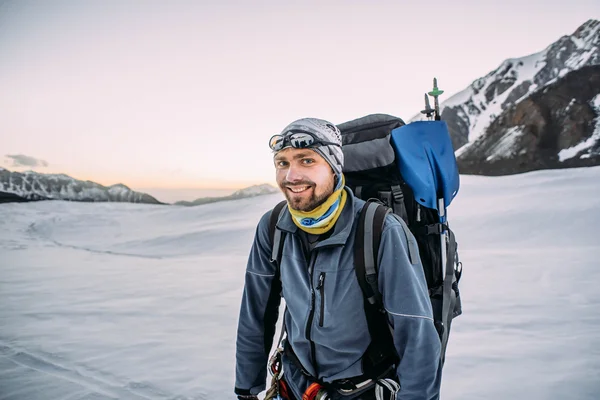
(399, 207)
(449, 297)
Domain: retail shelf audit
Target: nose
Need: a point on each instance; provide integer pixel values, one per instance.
(293, 174)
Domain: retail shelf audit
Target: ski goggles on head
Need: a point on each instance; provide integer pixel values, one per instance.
(298, 140)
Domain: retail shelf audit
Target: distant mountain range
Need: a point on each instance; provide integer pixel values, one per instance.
(252, 191)
(35, 186)
(533, 112)
(31, 186)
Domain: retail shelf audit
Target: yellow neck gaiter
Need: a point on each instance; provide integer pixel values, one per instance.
(324, 217)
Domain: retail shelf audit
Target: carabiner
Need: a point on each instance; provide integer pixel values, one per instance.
(315, 392)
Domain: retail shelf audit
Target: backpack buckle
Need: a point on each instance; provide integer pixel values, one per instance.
(375, 297)
(397, 193)
(435, 229)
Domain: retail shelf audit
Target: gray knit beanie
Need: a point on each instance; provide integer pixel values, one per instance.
(325, 131)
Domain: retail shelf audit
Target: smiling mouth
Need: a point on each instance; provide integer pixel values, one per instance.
(298, 189)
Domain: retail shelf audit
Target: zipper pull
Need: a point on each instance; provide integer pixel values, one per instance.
(418, 213)
(321, 280)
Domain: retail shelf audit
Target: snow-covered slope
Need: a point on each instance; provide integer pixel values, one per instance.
(123, 301)
(34, 185)
(470, 112)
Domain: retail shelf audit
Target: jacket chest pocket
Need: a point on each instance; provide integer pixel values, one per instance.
(321, 289)
(339, 300)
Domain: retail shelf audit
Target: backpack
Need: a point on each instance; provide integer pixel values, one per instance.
(372, 172)
(372, 168)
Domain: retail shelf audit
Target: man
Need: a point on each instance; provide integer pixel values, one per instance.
(327, 333)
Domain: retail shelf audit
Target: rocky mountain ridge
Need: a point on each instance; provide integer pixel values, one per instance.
(557, 127)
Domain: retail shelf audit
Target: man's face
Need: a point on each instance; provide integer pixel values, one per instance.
(304, 177)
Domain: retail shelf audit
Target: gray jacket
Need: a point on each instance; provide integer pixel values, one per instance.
(325, 308)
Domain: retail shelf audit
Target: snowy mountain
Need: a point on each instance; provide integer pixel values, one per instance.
(29, 185)
(556, 127)
(252, 191)
(472, 113)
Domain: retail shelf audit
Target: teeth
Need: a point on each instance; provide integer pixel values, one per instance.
(298, 190)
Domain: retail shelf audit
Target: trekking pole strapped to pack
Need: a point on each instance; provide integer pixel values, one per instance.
(435, 93)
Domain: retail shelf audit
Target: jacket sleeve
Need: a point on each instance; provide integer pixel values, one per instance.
(406, 298)
(258, 314)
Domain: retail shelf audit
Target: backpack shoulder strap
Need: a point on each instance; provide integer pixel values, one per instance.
(277, 236)
(368, 238)
(277, 239)
(381, 352)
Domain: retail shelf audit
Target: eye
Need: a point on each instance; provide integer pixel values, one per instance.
(281, 164)
(308, 161)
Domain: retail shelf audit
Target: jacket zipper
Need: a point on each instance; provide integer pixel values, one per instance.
(312, 314)
(321, 288)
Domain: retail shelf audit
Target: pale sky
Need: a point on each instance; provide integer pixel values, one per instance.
(186, 94)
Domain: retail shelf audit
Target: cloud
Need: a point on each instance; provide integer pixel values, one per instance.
(21, 160)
